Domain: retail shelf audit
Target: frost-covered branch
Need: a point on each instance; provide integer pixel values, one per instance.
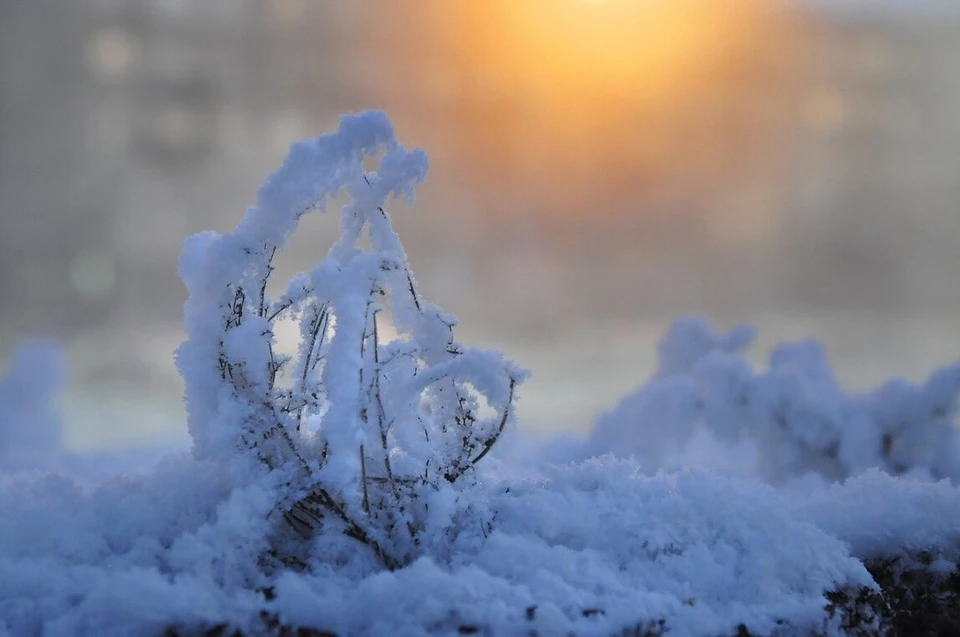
(361, 429)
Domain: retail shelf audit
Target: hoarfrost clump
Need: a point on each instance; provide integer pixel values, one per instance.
(360, 435)
(791, 419)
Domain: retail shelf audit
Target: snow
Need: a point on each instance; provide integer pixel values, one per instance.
(708, 403)
(702, 551)
(877, 514)
(717, 494)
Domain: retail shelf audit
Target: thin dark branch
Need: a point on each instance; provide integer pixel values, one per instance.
(406, 270)
(363, 478)
(280, 309)
(318, 328)
(322, 497)
(488, 444)
(263, 282)
(381, 415)
(286, 305)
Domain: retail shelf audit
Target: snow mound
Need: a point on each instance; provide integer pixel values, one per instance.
(592, 549)
(708, 405)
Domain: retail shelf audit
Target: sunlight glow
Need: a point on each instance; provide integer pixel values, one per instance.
(645, 46)
(660, 105)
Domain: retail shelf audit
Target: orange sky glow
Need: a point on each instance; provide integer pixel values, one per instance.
(557, 99)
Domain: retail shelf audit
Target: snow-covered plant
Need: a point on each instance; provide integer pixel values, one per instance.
(793, 415)
(30, 423)
(359, 432)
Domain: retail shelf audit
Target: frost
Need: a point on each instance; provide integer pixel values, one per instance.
(790, 419)
(393, 423)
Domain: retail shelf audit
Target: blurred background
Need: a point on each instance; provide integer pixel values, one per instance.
(597, 168)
